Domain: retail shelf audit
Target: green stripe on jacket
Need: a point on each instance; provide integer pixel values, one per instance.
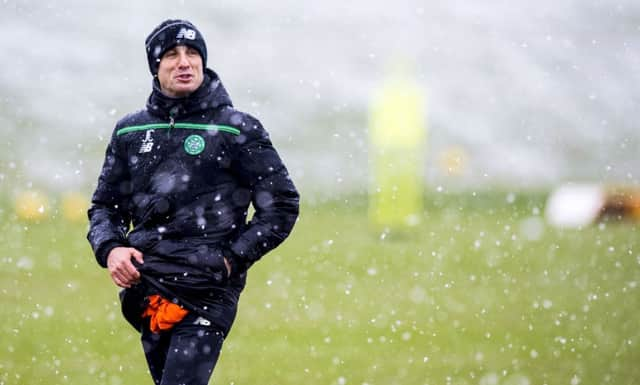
(185, 126)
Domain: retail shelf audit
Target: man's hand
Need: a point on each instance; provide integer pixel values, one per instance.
(122, 271)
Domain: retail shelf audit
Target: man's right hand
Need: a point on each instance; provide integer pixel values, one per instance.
(122, 271)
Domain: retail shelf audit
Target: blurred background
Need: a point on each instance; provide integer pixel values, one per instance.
(531, 93)
(501, 278)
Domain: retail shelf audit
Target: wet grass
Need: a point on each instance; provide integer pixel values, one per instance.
(482, 292)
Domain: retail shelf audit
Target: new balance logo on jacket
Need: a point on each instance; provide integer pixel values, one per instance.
(147, 143)
(202, 321)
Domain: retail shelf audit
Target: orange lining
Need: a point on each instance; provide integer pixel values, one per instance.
(164, 313)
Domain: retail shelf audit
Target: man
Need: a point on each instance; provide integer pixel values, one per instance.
(169, 214)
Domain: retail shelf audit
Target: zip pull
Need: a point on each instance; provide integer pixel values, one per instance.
(172, 124)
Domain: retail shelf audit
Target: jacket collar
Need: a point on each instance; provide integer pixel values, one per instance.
(210, 95)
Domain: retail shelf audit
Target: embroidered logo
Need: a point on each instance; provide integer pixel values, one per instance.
(147, 143)
(186, 34)
(194, 144)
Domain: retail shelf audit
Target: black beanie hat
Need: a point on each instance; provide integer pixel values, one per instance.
(169, 34)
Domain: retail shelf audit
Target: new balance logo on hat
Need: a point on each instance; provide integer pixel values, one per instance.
(186, 34)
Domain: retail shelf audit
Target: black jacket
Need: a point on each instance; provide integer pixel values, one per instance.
(176, 184)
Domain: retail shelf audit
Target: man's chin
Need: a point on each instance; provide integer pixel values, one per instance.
(183, 90)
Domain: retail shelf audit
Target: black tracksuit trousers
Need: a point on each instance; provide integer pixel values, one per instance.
(184, 355)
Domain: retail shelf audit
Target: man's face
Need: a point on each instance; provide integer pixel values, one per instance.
(180, 71)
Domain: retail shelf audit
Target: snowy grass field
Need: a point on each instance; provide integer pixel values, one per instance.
(483, 292)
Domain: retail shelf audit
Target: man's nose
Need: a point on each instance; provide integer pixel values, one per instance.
(183, 61)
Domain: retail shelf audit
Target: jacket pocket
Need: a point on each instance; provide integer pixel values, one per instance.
(213, 264)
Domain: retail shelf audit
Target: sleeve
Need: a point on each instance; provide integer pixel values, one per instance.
(108, 215)
(273, 195)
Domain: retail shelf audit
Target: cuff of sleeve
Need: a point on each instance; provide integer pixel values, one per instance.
(238, 264)
(103, 252)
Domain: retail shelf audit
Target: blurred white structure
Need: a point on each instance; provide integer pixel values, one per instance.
(575, 205)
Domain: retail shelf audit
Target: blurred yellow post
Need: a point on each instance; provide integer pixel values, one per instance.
(32, 205)
(397, 145)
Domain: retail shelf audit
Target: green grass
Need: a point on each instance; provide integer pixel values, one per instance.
(469, 297)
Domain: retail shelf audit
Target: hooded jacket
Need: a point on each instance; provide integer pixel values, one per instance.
(176, 184)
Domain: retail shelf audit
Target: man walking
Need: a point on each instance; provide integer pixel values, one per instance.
(169, 214)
